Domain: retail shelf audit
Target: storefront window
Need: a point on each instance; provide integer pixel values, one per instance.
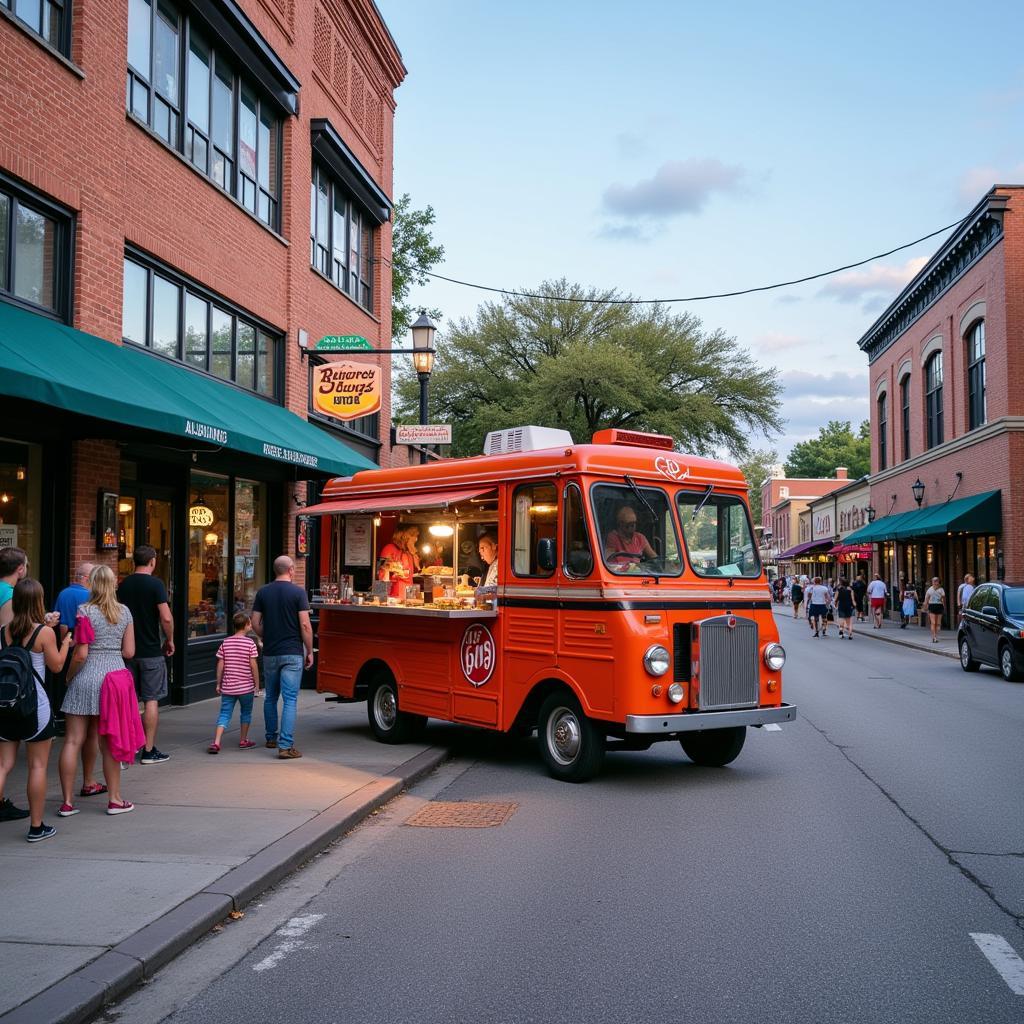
(250, 547)
(209, 527)
(20, 499)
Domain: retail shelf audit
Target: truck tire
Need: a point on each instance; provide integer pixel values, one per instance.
(388, 722)
(714, 748)
(570, 743)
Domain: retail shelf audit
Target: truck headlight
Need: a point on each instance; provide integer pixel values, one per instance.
(775, 656)
(657, 660)
(676, 693)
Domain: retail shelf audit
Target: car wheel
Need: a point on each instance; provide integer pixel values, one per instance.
(714, 748)
(1007, 664)
(967, 662)
(389, 724)
(570, 743)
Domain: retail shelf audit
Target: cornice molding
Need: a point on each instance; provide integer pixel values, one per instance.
(979, 232)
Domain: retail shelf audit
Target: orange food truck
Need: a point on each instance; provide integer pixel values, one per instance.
(608, 595)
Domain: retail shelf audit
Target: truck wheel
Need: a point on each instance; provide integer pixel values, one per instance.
(571, 744)
(714, 747)
(389, 724)
(967, 662)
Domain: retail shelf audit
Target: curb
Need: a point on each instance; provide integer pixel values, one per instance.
(76, 998)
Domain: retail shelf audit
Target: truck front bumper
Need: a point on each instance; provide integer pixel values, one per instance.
(698, 721)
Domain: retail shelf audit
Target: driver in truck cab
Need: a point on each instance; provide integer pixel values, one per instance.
(625, 545)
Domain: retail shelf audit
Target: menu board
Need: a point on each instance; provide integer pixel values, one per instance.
(359, 540)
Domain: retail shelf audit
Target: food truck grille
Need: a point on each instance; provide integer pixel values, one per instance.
(729, 676)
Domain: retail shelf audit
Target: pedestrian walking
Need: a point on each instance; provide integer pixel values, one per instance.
(818, 605)
(13, 568)
(29, 632)
(935, 602)
(877, 592)
(238, 681)
(860, 589)
(280, 617)
(908, 607)
(844, 609)
(963, 594)
(145, 596)
(796, 595)
(112, 642)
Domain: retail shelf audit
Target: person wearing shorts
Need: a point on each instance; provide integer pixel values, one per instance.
(877, 592)
(935, 602)
(145, 596)
(817, 607)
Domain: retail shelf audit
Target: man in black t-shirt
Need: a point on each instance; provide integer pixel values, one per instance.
(146, 598)
(280, 616)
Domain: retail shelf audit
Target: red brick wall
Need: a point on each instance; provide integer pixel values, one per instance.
(96, 466)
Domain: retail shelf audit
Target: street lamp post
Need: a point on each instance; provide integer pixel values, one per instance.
(423, 331)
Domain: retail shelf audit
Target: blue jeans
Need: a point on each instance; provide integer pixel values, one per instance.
(282, 677)
(227, 707)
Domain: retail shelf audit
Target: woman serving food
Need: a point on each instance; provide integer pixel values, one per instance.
(399, 560)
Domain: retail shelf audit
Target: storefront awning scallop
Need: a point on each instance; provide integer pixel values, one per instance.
(44, 361)
(979, 513)
(396, 503)
(805, 548)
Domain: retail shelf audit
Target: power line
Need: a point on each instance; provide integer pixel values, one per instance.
(688, 298)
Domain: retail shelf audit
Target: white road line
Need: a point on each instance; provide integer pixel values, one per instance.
(1003, 957)
(292, 931)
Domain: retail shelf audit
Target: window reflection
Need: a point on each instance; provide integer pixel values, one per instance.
(208, 512)
(250, 551)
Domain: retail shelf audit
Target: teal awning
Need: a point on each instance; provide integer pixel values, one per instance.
(981, 513)
(48, 362)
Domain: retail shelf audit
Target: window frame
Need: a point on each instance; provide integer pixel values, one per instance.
(977, 406)
(63, 247)
(629, 496)
(185, 132)
(239, 317)
(359, 229)
(63, 44)
(882, 404)
(933, 413)
(905, 414)
(553, 484)
(738, 502)
(567, 571)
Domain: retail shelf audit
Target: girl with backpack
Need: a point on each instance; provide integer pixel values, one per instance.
(112, 640)
(28, 633)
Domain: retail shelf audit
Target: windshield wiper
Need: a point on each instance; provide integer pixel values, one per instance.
(636, 490)
(703, 501)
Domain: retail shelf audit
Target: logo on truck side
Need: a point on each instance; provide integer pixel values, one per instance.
(478, 654)
(670, 468)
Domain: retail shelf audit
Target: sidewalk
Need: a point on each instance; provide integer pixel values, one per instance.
(109, 900)
(915, 636)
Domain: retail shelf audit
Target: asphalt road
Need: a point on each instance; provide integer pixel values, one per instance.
(835, 872)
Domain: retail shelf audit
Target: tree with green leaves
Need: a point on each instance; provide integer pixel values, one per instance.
(757, 467)
(579, 360)
(413, 251)
(835, 445)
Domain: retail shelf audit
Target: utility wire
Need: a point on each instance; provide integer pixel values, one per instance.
(689, 298)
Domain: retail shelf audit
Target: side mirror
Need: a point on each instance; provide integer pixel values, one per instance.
(990, 611)
(546, 554)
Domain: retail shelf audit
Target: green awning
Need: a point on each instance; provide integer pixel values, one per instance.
(48, 362)
(980, 513)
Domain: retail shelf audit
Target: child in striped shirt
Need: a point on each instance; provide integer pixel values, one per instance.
(238, 679)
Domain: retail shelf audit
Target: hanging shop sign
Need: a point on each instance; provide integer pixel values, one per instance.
(423, 433)
(346, 391)
(343, 343)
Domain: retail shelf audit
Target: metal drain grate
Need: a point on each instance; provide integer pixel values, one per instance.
(461, 814)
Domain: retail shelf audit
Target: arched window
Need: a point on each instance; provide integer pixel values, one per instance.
(883, 431)
(933, 399)
(976, 409)
(905, 415)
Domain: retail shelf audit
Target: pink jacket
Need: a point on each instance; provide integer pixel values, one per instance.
(119, 715)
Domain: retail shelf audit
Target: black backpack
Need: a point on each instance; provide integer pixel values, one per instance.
(19, 702)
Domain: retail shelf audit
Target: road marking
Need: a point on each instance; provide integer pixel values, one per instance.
(772, 727)
(292, 932)
(1003, 957)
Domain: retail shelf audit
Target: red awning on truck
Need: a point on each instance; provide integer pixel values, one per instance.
(395, 502)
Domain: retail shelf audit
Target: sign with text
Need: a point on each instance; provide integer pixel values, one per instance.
(346, 391)
(343, 343)
(423, 433)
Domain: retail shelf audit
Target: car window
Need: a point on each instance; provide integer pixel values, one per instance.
(1014, 598)
(576, 551)
(981, 597)
(534, 517)
(635, 530)
(719, 541)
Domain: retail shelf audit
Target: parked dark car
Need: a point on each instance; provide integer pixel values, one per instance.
(992, 629)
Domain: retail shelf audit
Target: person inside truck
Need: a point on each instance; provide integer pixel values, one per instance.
(625, 544)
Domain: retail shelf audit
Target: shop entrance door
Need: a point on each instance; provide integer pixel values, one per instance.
(147, 516)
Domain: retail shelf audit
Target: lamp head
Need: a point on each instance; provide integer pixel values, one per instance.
(918, 490)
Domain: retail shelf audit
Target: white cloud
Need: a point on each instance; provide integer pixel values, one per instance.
(879, 281)
(677, 187)
(800, 384)
(776, 341)
(976, 181)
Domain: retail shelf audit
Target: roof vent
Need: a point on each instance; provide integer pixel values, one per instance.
(525, 439)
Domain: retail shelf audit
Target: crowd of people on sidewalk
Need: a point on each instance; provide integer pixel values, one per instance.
(97, 666)
(843, 603)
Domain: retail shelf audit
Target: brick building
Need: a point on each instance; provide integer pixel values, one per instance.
(189, 191)
(783, 499)
(947, 407)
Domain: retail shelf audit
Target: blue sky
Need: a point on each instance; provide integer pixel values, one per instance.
(672, 149)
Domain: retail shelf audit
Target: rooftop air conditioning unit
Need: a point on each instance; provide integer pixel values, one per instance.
(525, 439)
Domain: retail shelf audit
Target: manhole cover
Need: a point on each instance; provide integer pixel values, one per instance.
(461, 814)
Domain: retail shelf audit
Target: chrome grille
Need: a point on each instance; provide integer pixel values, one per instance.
(729, 676)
